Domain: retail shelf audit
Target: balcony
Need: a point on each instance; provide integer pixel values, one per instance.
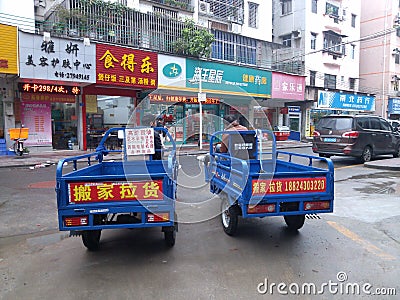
(177, 4)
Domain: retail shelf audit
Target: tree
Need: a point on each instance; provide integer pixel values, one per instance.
(195, 41)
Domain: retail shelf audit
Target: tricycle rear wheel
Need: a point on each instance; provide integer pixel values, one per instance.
(170, 237)
(295, 222)
(229, 216)
(91, 239)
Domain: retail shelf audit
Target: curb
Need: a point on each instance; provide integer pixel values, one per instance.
(381, 167)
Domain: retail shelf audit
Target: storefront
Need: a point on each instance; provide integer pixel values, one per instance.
(394, 108)
(52, 74)
(227, 89)
(338, 103)
(123, 76)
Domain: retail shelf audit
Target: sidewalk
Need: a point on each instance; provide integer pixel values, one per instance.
(46, 158)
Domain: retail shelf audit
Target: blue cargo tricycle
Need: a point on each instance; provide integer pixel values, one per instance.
(255, 180)
(132, 190)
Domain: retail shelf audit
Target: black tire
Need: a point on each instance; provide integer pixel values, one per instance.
(295, 222)
(396, 154)
(91, 239)
(170, 237)
(229, 216)
(366, 154)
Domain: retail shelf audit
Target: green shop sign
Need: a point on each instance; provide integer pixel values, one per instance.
(227, 79)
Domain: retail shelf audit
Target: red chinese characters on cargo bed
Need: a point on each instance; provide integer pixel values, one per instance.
(89, 192)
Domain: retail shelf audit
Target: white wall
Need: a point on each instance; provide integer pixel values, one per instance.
(264, 28)
(19, 13)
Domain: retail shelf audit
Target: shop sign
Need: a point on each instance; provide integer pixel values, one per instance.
(171, 71)
(37, 117)
(286, 86)
(181, 99)
(294, 109)
(139, 141)
(333, 100)
(228, 79)
(25, 97)
(57, 59)
(39, 88)
(120, 66)
(9, 49)
(394, 106)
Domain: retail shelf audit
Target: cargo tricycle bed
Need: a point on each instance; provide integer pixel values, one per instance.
(253, 179)
(130, 190)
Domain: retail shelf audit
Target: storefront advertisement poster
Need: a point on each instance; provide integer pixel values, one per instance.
(37, 117)
(171, 71)
(394, 106)
(121, 66)
(333, 100)
(232, 80)
(286, 86)
(56, 59)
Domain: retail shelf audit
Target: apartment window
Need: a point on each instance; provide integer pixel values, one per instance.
(398, 31)
(353, 51)
(353, 20)
(287, 40)
(234, 48)
(253, 15)
(286, 6)
(313, 40)
(330, 81)
(313, 74)
(314, 6)
(352, 83)
(332, 10)
(396, 85)
(332, 42)
(397, 58)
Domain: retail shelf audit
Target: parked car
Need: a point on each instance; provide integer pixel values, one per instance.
(362, 136)
(395, 124)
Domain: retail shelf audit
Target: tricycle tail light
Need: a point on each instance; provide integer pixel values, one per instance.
(76, 221)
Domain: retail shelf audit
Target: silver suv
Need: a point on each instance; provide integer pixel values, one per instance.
(361, 136)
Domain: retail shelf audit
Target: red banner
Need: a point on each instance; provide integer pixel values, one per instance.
(126, 67)
(88, 192)
(289, 186)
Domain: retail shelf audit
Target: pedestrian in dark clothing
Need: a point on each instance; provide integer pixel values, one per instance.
(150, 120)
(233, 124)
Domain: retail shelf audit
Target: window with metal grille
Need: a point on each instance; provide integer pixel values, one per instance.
(235, 48)
(165, 12)
(313, 75)
(314, 6)
(352, 83)
(287, 40)
(353, 20)
(286, 6)
(330, 81)
(313, 40)
(253, 15)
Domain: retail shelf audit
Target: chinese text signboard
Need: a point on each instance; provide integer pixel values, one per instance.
(47, 98)
(126, 67)
(139, 141)
(39, 88)
(182, 99)
(56, 59)
(229, 79)
(37, 117)
(332, 100)
(287, 86)
(9, 49)
(394, 106)
(87, 192)
(289, 186)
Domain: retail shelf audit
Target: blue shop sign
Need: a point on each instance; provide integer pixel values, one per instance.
(333, 100)
(394, 106)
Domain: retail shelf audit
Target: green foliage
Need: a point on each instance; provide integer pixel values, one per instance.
(194, 41)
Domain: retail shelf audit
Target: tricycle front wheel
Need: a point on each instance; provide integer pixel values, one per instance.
(295, 222)
(229, 217)
(91, 239)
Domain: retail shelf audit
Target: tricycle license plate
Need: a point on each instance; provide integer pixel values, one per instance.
(330, 140)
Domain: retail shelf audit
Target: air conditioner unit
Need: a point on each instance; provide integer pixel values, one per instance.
(236, 28)
(204, 8)
(296, 34)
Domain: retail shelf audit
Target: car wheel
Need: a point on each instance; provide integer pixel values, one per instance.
(397, 152)
(366, 154)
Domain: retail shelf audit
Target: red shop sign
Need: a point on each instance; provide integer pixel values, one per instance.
(126, 67)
